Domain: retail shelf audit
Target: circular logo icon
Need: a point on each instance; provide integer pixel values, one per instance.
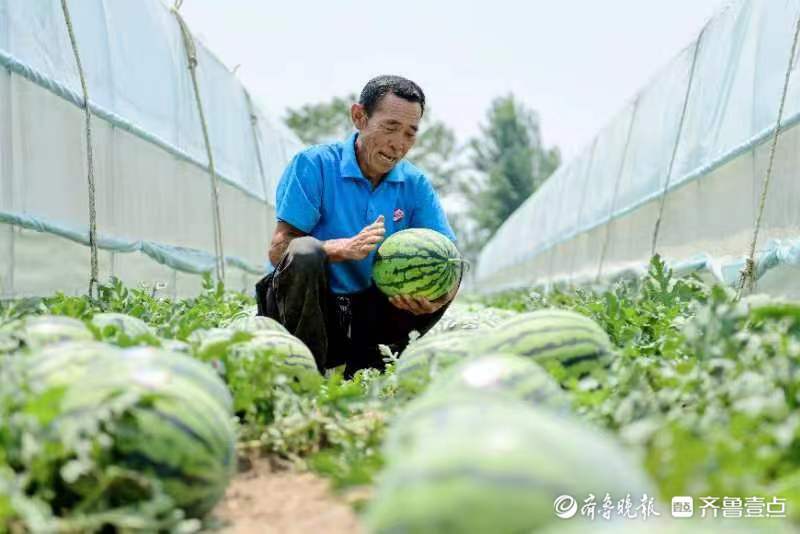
(565, 506)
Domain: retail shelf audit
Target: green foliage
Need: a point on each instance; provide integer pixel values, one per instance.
(56, 474)
(172, 318)
(705, 385)
(322, 122)
(511, 157)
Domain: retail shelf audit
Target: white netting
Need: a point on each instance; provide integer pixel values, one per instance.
(153, 193)
(598, 212)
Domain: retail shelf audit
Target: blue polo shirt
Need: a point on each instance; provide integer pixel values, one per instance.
(324, 194)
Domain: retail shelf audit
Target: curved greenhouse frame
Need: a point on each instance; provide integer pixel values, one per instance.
(680, 171)
(153, 189)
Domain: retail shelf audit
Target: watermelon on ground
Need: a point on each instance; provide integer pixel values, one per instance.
(41, 330)
(213, 343)
(65, 363)
(200, 373)
(122, 329)
(477, 463)
(429, 355)
(470, 317)
(506, 375)
(417, 262)
(286, 353)
(255, 324)
(550, 336)
(162, 424)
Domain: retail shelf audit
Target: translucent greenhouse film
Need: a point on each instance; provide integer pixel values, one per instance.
(680, 171)
(152, 192)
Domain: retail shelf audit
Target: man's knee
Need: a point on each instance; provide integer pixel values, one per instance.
(306, 254)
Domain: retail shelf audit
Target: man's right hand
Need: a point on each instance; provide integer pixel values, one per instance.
(359, 246)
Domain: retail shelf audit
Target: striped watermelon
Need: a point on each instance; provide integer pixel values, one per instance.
(38, 331)
(173, 430)
(68, 362)
(417, 262)
(255, 324)
(429, 355)
(470, 317)
(503, 374)
(570, 339)
(287, 354)
(123, 330)
(201, 374)
(214, 342)
(477, 463)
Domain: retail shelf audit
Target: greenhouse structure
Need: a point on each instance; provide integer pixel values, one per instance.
(701, 166)
(177, 167)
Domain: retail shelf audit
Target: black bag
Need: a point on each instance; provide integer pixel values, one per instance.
(265, 298)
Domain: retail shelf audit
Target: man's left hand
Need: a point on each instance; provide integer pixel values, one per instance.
(417, 305)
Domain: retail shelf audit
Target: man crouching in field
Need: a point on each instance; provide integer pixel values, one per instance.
(335, 203)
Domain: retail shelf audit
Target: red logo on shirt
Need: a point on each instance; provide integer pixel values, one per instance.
(398, 214)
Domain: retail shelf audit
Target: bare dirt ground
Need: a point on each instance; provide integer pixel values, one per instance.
(270, 499)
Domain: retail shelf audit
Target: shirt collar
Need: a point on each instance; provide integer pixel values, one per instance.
(349, 165)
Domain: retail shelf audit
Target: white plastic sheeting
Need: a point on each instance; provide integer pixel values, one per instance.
(697, 135)
(153, 189)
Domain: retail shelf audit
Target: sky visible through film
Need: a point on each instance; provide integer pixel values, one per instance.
(576, 62)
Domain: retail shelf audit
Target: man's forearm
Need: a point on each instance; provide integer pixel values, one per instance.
(277, 250)
(336, 249)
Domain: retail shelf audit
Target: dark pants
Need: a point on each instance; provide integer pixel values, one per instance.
(339, 329)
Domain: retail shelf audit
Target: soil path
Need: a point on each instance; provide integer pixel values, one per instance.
(269, 500)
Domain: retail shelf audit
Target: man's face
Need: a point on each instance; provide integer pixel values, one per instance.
(386, 136)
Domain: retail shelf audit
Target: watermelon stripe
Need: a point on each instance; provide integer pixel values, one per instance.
(303, 364)
(186, 429)
(140, 461)
(561, 329)
(568, 362)
(437, 244)
(414, 277)
(434, 283)
(560, 319)
(561, 345)
(416, 262)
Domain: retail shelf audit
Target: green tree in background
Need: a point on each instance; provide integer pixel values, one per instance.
(511, 162)
(323, 122)
(435, 151)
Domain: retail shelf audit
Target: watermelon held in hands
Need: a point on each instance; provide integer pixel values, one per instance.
(417, 262)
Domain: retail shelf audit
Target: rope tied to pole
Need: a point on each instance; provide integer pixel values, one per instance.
(191, 56)
(93, 275)
(747, 277)
(607, 238)
(256, 144)
(663, 199)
